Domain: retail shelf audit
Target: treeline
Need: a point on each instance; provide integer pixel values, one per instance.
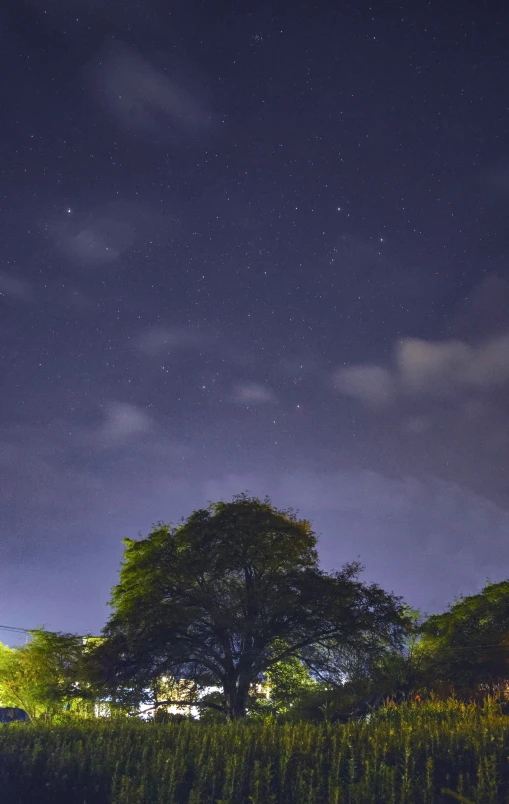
(229, 611)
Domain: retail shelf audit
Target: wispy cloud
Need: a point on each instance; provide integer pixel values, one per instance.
(483, 313)
(372, 384)
(144, 99)
(15, 288)
(253, 393)
(398, 526)
(93, 240)
(101, 235)
(160, 341)
(122, 422)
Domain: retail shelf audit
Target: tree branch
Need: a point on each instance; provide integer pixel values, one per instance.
(208, 704)
(310, 640)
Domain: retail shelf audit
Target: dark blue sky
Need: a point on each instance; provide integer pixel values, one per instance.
(257, 248)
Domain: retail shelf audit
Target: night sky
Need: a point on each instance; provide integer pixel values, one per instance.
(252, 247)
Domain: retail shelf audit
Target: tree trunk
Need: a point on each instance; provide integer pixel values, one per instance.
(236, 693)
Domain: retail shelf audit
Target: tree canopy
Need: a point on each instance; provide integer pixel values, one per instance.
(230, 593)
(467, 647)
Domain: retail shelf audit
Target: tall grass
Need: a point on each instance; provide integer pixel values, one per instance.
(406, 753)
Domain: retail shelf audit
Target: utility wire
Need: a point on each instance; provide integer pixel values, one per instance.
(15, 628)
(19, 630)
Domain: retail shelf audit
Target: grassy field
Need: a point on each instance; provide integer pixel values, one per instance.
(403, 754)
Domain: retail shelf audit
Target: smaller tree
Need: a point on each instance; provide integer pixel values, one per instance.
(466, 649)
(17, 682)
(42, 676)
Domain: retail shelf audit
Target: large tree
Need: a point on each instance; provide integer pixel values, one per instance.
(224, 596)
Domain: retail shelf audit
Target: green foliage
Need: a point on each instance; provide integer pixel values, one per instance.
(17, 682)
(369, 676)
(209, 599)
(288, 680)
(43, 676)
(467, 647)
(407, 754)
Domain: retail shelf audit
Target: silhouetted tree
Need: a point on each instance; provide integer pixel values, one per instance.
(228, 594)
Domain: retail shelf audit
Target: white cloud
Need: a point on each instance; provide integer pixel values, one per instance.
(372, 384)
(416, 424)
(429, 368)
(253, 393)
(15, 288)
(440, 366)
(122, 422)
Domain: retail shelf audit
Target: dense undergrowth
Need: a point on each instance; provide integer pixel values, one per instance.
(405, 753)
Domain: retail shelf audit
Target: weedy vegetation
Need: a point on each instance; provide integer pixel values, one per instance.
(435, 751)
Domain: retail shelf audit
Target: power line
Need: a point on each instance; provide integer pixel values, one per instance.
(19, 630)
